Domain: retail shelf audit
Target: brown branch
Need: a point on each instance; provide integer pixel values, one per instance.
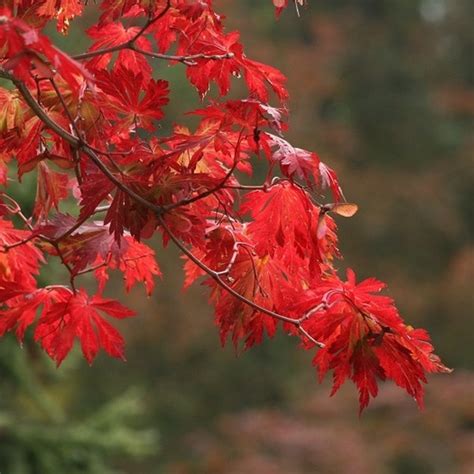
(6, 248)
(79, 144)
(305, 333)
(95, 267)
(66, 264)
(101, 209)
(259, 187)
(111, 153)
(247, 187)
(151, 20)
(100, 52)
(72, 120)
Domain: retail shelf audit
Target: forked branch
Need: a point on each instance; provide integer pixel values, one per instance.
(79, 144)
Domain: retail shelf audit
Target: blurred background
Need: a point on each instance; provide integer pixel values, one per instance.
(383, 90)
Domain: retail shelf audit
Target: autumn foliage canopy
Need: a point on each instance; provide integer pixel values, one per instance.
(88, 127)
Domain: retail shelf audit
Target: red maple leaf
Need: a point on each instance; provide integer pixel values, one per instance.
(113, 9)
(21, 312)
(256, 279)
(92, 247)
(129, 100)
(294, 162)
(94, 189)
(66, 316)
(72, 316)
(135, 260)
(18, 263)
(282, 223)
(365, 338)
(260, 279)
(329, 180)
(206, 70)
(30, 54)
(114, 34)
(259, 76)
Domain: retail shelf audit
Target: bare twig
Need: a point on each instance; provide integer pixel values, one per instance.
(247, 187)
(188, 60)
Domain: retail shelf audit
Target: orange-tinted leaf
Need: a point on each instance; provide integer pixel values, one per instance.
(52, 187)
(63, 10)
(344, 209)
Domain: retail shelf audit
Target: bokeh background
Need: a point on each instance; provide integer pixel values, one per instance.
(383, 90)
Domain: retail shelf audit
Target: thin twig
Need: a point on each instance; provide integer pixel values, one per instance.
(247, 187)
(127, 44)
(213, 190)
(311, 338)
(216, 277)
(65, 107)
(188, 60)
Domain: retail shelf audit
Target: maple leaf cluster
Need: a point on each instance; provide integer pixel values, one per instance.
(89, 128)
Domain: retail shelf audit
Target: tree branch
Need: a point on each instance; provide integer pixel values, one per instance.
(128, 44)
(188, 60)
(76, 142)
(217, 278)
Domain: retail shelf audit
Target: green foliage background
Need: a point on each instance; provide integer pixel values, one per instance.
(383, 90)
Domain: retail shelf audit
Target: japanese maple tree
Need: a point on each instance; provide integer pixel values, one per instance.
(88, 127)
